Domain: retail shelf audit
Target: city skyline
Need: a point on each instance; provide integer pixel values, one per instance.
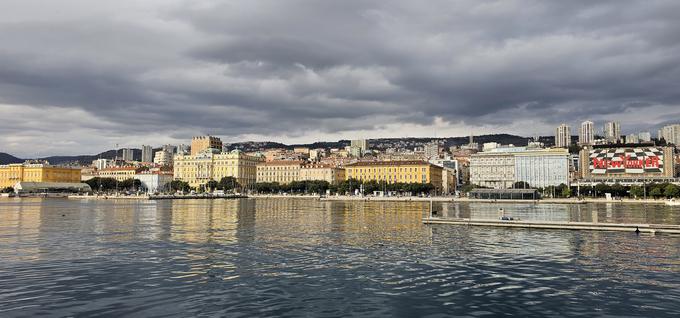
(160, 72)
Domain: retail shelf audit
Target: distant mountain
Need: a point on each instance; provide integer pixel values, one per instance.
(72, 160)
(6, 158)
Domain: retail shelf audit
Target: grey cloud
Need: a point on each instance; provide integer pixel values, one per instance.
(293, 68)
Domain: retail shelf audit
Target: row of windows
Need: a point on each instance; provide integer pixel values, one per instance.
(361, 170)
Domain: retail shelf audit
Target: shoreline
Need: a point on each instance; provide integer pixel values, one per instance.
(362, 198)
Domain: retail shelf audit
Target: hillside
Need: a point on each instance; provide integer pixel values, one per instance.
(6, 158)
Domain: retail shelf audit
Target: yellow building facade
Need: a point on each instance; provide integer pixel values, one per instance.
(324, 172)
(23, 172)
(119, 173)
(202, 143)
(283, 172)
(198, 169)
(396, 172)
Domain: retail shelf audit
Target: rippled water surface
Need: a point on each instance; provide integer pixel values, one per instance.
(297, 257)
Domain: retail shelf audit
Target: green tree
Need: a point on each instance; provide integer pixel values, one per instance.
(179, 185)
(102, 184)
(656, 192)
(228, 183)
(671, 191)
(601, 189)
(130, 184)
(211, 185)
(521, 185)
(566, 192)
(637, 191)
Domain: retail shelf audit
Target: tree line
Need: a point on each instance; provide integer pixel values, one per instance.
(342, 187)
(111, 184)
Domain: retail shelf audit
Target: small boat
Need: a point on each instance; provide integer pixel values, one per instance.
(673, 202)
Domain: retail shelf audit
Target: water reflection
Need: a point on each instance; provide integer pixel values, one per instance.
(591, 212)
(288, 257)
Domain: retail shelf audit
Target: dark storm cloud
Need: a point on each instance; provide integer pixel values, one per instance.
(275, 68)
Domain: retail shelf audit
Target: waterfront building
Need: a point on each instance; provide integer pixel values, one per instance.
(396, 172)
(626, 164)
(120, 173)
(563, 136)
(28, 171)
(154, 182)
(587, 133)
(612, 132)
(127, 154)
(504, 167)
(632, 139)
(198, 169)
(283, 172)
(671, 134)
(324, 172)
(147, 153)
(163, 158)
(200, 144)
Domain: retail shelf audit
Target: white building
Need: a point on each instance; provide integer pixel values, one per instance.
(163, 158)
(563, 136)
(504, 167)
(488, 146)
(587, 134)
(147, 153)
(612, 132)
(154, 182)
(361, 143)
(102, 163)
(432, 150)
(645, 136)
(671, 134)
(128, 154)
(632, 139)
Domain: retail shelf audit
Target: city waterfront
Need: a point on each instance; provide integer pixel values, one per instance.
(302, 257)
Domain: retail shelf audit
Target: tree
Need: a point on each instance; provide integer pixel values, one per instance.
(179, 185)
(102, 184)
(671, 191)
(228, 183)
(601, 189)
(566, 192)
(637, 191)
(130, 184)
(521, 185)
(656, 192)
(7, 190)
(211, 185)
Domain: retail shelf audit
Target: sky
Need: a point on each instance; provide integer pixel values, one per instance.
(82, 76)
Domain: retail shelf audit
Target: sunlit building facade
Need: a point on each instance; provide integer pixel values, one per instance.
(36, 172)
(198, 169)
(396, 172)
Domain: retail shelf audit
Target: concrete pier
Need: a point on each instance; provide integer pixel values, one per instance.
(644, 228)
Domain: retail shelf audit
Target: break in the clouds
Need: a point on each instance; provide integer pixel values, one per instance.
(81, 76)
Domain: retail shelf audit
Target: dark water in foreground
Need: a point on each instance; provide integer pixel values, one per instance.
(287, 257)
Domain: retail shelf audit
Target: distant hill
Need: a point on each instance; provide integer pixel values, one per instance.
(72, 160)
(6, 158)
